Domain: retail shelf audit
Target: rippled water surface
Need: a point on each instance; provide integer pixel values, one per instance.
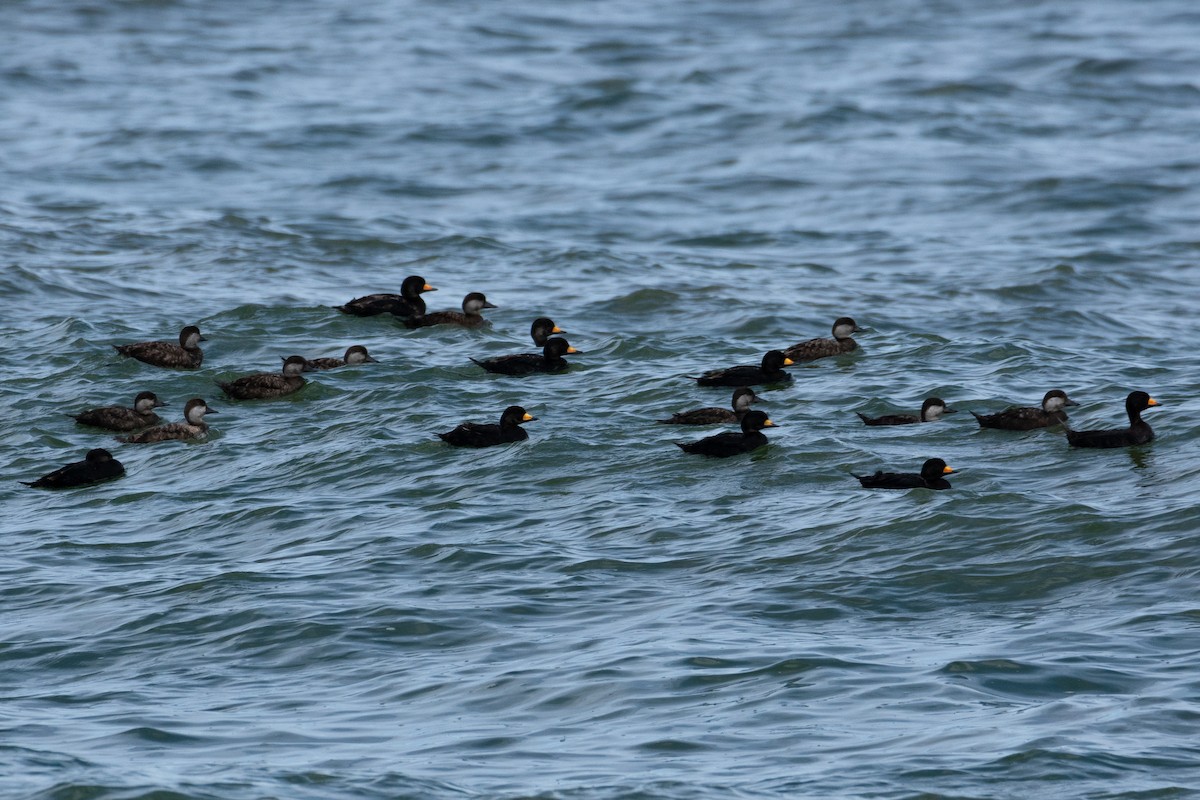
(323, 600)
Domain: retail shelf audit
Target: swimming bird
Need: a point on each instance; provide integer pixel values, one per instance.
(475, 434)
(1138, 432)
(770, 371)
(931, 411)
(408, 303)
(192, 427)
(185, 355)
(813, 349)
(549, 360)
(1027, 418)
(355, 354)
(724, 445)
(98, 465)
(542, 329)
(929, 478)
(742, 398)
(469, 317)
(266, 385)
(120, 418)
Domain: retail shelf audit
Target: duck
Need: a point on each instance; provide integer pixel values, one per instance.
(930, 477)
(267, 385)
(98, 465)
(813, 349)
(769, 371)
(184, 355)
(743, 396)
(120, 418)
(355, 354)
(1027, 418)
(931, 411)
(549, 360)
(724, 445)
(542, 329)
(1138, 432)
(475, 434)
(192, 427)
(408, 303)
(469, 317)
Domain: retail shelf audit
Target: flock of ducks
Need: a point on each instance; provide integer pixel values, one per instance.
(143, 425)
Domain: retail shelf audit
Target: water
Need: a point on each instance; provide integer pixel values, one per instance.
(325, 601)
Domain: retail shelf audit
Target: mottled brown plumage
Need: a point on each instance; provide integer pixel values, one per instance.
(813, 349)
(192, 427)
(184, 355)
(469, 317)
(742, 398)
(120, 418)
(267, 385)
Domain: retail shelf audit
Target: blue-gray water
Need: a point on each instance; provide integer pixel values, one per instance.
(324, 601)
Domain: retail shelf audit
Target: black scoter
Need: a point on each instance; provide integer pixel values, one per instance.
(475, 434)
(98, 465)
(549, 360)
(769, 371)
(542, 329)
(408, 303)
(1138, 432)
(929, 478)
(724, 445)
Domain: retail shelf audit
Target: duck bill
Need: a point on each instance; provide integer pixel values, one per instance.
(787, 362)
(1153, 402)
(528, 418)
(947, 471)
(428, 288)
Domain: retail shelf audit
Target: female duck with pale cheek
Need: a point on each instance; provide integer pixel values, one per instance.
(742, 398)
(120, 418)
(931, 411)
(192, 427)
(185, 355)
(813, 349)
(266, 385)
(1027, 418)
(469, 317)
(355, 354)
